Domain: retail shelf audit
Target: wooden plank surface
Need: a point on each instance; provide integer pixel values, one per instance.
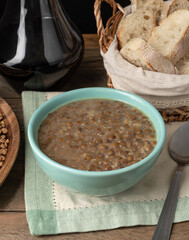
(13, 224)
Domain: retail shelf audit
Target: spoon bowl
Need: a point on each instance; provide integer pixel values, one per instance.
(179, 145)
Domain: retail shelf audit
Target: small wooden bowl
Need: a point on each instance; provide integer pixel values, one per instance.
(13, 136)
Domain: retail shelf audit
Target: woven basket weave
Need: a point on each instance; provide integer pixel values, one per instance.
(106, 36)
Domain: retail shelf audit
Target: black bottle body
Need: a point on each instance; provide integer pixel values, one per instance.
(39, 44)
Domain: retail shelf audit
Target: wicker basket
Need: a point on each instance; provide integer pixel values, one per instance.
(106, 36)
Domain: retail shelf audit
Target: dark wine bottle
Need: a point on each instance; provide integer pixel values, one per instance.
(39, 44)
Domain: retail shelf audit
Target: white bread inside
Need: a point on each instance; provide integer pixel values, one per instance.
(139, 3)
(153, 5)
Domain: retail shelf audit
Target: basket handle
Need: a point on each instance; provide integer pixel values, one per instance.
(106, 36)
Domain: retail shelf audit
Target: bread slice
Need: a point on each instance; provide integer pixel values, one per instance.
(138, 24)
(171, 37)
(183, 65)
(178, 4)
(172, 5)
(139, 3)
(153, 5)
(138, 52)
(165, 9)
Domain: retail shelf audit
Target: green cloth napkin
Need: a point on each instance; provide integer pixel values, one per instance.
(45, 218)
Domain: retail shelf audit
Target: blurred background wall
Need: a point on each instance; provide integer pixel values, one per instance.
(81, 12)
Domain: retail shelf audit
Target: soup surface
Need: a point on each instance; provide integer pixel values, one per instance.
(97, 135)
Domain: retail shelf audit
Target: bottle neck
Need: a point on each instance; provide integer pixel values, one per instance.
(33, 9)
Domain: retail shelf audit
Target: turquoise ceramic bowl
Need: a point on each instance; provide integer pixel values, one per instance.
(88, 182)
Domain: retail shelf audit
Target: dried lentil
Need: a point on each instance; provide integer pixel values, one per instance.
(4, 141)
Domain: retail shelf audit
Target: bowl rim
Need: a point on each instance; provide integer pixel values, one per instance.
(74, 171)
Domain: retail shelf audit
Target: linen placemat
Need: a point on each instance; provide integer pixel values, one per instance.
(51, 209)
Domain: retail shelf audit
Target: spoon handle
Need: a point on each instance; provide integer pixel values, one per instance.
(164, 226)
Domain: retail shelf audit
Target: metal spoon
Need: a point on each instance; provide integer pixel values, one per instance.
(179, 151)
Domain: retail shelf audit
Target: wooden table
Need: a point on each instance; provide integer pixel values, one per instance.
(13, 224)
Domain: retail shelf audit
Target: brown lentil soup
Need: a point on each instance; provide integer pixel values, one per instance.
(97, 135)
